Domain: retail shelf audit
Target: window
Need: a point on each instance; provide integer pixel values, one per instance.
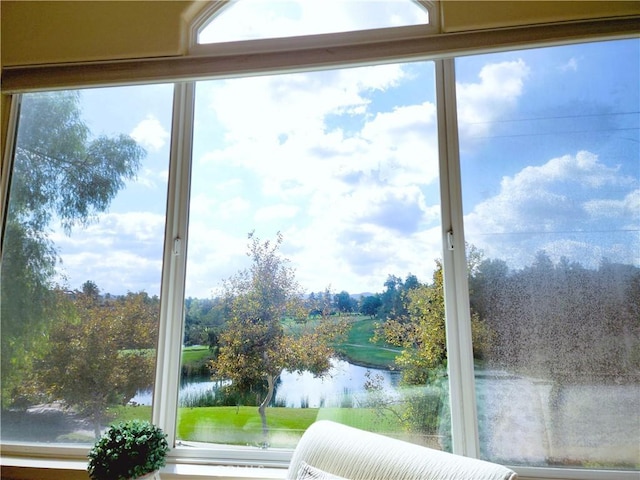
(82, 260)
(250, 20)
(550, 180)
(340, 184)
(341, 166)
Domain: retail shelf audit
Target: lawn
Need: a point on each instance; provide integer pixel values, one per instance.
(195, 359)
(359, 349)
(242, 425)
(198, 353)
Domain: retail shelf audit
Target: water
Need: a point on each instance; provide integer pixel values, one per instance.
(344, 384)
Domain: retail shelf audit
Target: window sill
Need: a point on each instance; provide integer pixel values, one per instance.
(24, 468)
(21, 468)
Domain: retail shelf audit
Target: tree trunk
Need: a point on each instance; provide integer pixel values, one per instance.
(96, 417)
(262, 409)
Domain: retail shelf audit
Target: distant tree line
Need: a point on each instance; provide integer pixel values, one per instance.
(561, 320)
(204, 317)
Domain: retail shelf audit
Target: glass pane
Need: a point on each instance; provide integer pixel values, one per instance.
(82, 261)
(551, 183)
(250, 20)
(314, 216)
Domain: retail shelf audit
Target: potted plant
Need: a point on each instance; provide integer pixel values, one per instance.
(128, 450)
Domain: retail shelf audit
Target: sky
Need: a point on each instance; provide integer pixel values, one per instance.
(344, 164)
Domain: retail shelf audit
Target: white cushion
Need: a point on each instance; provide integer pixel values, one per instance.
(358, 455)
(309, 472)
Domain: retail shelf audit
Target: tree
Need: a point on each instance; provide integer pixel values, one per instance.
(394, 298)
(391, 298)
(59, 173)
(344, 303)
(422, 333)
(561, 321)
(370, 305)
(254, 347)
(203, 321)
(101, 352)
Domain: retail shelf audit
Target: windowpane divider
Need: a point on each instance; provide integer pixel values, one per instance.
(464, 429)
(165, 394)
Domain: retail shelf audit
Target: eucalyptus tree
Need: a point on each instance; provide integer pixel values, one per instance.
(61, 175)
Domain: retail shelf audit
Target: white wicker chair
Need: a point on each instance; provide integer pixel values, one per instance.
(332, 450)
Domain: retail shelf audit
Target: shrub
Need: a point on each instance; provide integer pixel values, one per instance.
(128, 450)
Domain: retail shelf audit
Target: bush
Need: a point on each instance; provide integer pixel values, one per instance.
(128, 450)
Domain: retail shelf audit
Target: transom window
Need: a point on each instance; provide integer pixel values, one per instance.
(260, 19)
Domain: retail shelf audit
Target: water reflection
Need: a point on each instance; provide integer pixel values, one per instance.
(343, 385)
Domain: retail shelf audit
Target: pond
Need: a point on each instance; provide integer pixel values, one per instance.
(343, 385)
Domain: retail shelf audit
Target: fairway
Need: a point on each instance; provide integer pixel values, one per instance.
(359, 349)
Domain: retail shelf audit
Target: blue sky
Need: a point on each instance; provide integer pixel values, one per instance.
(559, 168)
(344, 164)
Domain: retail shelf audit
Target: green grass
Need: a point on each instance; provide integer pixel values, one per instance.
(195, 354)
(363, 418)
(123, 414)
(195, 360)
(360, 350)
(242, 425)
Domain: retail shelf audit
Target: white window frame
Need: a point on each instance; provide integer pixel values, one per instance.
(222, 61)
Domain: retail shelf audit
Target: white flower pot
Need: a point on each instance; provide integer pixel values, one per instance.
(150, 476)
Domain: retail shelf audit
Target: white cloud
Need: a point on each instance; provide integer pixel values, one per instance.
(250, 20)
(119, 251)
(214, 254)
(231, 208)
(272, 212)
(263, 110)
(571, 65)
(629, 207)
(479, 104)
(150, 133)
(403, 144)
(311, 147)
(114, 270)
(557, 206)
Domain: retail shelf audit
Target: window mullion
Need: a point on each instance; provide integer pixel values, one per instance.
(464, 427)
(165, 398)
(6, 166)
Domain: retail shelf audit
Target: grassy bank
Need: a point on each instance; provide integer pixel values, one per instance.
(242, 425)
(359, 349)
(195, 360)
